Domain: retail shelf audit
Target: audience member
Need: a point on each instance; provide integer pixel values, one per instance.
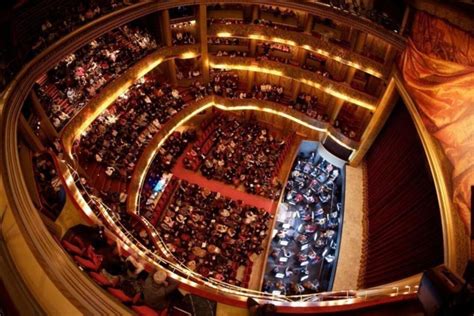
(243, 152)
(117, 137)
(157, 289)
(211, 234)
(79, 77)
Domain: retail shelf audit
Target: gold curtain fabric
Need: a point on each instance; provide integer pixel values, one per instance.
(438, 69)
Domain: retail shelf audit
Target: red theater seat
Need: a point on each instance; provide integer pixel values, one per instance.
(102, 280)
(72, 248)
(120, 295)
(144, 310)
(86, 263)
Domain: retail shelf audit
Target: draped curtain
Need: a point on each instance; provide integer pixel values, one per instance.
(404, 234)
(438, 70)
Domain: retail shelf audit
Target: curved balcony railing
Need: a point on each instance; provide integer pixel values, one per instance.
(114, 89)
(226, 104)
(197, 283)
(338, 89)
(301, 40)
(74, 283)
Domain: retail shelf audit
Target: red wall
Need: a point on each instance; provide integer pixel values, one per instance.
(404, 225)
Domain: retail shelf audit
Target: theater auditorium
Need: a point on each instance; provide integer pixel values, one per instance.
(236, 157)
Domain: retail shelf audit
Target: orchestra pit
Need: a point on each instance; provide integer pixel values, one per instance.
(236, 157)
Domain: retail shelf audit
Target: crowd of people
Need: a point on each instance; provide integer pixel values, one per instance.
(161, 166)
(125, 276)
(345, 129)
(224, 21)
(234, 41)
(278, 12)
(268, 47)
(77, 78)
(309, 104)
(183, 38)
(222, 84)
(267, 91)
(320, 70)
(304, 247)
(63, 20)
(116, 138)
(357, 7)
(48, 183)
(244, 153)
(211, 234)
(187, 68)
(231, 53)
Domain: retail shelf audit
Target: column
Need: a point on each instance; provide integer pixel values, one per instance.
(360, 42)
(381, 114)
(165, 28)
(338, 103)
(46, 125)
(406, 14)
(30, 137)
(390, 54)
(250, 80)
(170, 65)
(296, 87)
(308, 27)
(353, 37)
(202, 24)
(253, 42)
(308, 24)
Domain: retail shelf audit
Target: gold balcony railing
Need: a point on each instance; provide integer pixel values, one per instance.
(300, 40)
(337, 89)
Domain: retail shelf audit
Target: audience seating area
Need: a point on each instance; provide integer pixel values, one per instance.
(48, 183)
(114, 141)
(212, 200)
(158, 186)
(183, 38)
(213, 235)
(120, 274)
(240, 152)
(304, 247)
(37, 27)
(66, 88)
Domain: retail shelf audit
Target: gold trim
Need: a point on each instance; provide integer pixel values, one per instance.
(336, 89)
(114, 89)
(300, 40)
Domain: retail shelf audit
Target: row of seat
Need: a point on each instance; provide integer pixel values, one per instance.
(164, 200)
(204, 142)
(91, 262)
(288, 141)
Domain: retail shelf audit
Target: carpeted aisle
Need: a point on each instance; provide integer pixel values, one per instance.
(225, 189)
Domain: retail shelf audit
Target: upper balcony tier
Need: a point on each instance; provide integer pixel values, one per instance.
(300, 40)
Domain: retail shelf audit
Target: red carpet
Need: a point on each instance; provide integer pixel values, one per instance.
(225, 189)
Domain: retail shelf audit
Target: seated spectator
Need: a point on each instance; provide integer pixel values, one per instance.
(157, 289)
(117, 137)
(78, 77)
(221, 240)
(50, 188)
(183, 38)
(243, 153)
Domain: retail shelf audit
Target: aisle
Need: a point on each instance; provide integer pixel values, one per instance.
(225, 189)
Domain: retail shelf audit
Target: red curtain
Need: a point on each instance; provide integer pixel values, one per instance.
(438, 70)
(404, 225)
